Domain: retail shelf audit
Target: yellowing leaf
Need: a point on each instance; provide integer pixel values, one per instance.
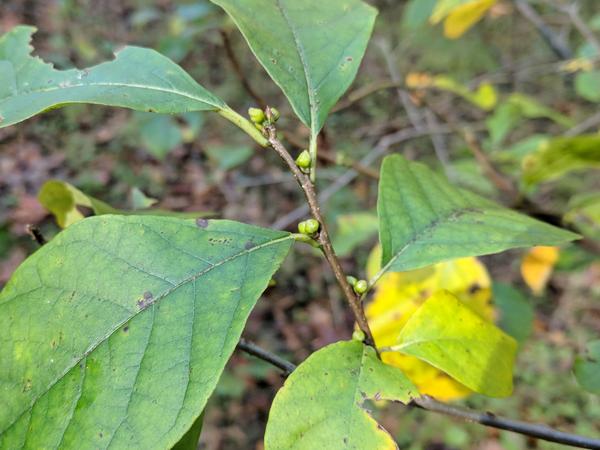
(463, 17)
(399, 295)
(450, 336)
(419, 80)
(577, 65)
(536, 267)
(443, 8)
(484, 97)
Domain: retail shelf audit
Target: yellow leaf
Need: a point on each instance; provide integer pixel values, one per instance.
(578, 65)
(537, 266)
(416, 80)
(399, 295)
(442, 9)
(464, 16)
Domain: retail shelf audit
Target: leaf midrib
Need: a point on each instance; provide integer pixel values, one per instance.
(309, 86)
(158, 298)
(107, 84)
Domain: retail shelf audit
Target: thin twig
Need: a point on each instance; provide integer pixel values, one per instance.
(252, 349)
(439, 145)
(558, 46)
(323, 237)
(502, 183)
(491, 420)
(364, 91)
(345, 161)
(429, 404)
(572, 10)
(237, 68)
(586, 125)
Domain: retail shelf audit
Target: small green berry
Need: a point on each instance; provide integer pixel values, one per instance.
(312, 226)
(358, 335)
(303, 160)
(361, 286)
(256, 115)
(302, 227)
(351, 280)
(275, 115)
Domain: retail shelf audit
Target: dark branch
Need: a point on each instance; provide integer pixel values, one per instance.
(429, 404)
(252, 349)
(491, 420)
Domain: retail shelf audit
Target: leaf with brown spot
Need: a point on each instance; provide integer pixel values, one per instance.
(103, 325)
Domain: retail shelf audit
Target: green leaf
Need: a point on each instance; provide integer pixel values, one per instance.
(353, 230)
(584, 212)
(160, 134)
(310, 48)
(504, 119)
(416, 13)
(516, 108)
(190, 439)
(138, 78)
(63, 200)
(227, 157)
(116, 332)
(423, 219)
(587, 85)
(139, 200)
(530, 108)
(515, 312)
(321, 403)
(560, 156)
(587, 368)
(450, 336)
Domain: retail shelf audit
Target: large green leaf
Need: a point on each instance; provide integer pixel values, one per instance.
(450, 336)
(587, 368)
(311, 48)
(138, 78)
(321, 403)
(425, 220)
(560, 156)
(115, 333)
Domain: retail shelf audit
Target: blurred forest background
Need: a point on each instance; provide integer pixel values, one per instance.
(474, 106)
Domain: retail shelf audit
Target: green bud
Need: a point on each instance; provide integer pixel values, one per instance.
(304, 160)
(358, 335)
(312, 226)
(361, 286)
(351, 280)
(275, 115)
(302, 227)
(256, 115)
